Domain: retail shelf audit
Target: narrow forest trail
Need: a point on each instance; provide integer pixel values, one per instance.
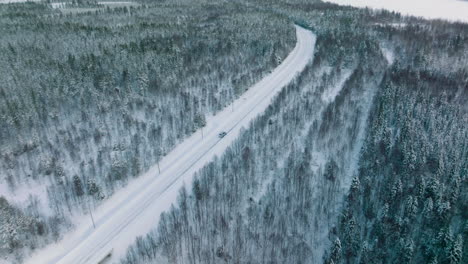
(135, 210)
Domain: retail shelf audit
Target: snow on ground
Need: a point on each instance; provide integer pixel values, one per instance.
(58, 5)
(135, 210)
(452, 10)
(388, 54)
(393, 25)
(74, 9)
(24, 192)
(329, 95)
(117, 3)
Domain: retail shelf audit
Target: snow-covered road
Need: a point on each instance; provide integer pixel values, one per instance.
(135, 210)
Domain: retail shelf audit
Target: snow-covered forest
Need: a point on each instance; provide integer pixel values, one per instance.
(363, 158)
(91, 100)
(409, 203)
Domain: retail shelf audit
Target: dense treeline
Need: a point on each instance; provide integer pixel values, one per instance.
(349, 178)
(409, 203)
(89, 100)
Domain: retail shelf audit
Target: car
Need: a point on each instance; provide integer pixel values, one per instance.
(222, 134)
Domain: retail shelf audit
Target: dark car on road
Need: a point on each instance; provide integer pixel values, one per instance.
(222, 134)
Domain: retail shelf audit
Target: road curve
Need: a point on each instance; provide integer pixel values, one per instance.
(135, 210)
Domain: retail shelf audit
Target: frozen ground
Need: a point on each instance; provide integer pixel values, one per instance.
(452, 10)
(135, 210)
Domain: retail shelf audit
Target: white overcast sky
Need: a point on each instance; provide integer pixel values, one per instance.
(453, 10)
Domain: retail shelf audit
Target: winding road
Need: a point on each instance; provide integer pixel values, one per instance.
(135, 210)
